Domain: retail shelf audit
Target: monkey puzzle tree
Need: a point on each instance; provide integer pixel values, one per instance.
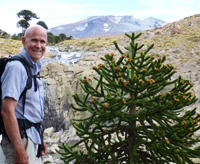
(43, 24)
(134, 118)
(24, 24)
(27, 16)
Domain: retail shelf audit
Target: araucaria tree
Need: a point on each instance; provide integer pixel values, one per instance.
(43, 24)
(27, 16)
(134, 118)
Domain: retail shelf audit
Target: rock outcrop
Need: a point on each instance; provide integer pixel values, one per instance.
(61, 82)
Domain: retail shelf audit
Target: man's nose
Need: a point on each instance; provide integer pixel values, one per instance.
(38, 44)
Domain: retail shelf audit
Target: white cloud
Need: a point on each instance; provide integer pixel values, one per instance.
(168, 10)
(8, 22)
(65, 9)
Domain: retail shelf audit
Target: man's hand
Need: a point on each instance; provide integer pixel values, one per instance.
(45, 150)
(21, 157)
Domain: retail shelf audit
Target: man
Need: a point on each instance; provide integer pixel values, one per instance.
(18, 149)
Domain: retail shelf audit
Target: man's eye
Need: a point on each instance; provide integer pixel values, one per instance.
(43, 42)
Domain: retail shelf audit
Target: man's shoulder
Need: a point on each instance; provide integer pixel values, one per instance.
(15, 68)
(16, 65)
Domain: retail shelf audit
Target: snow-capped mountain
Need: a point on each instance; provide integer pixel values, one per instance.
(106, 25)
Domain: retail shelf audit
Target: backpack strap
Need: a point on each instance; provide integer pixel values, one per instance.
(27, 67)
(35, 82)
(29, 74)
(25, 124)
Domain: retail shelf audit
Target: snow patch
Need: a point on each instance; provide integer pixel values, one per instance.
(81, 28)
(140, 18)
(116, 19)
(60, 28)
(91, 18)
(106, 27)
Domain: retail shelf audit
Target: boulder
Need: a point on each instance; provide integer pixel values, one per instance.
(48, 159)
(53, 148)
(48, 132)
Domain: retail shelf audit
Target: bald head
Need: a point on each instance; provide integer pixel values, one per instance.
(32, 28)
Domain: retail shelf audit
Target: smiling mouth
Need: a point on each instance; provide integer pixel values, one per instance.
(36, 50)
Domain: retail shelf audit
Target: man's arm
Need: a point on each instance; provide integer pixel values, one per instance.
(12, 130)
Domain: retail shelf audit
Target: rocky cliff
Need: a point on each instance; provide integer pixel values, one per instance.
(61, 82)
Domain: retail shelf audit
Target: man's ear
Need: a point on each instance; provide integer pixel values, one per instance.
(23, 40)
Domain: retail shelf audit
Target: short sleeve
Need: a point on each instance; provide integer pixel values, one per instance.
(13, 80)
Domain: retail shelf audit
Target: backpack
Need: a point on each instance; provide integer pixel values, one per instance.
(3, 62)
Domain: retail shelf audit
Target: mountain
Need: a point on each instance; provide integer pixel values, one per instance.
(106, 25)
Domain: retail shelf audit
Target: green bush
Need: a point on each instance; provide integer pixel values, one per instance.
(91, 43)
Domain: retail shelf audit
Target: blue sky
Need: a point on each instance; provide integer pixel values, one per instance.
(59, 12)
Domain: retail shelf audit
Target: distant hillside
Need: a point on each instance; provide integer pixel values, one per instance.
(106, 25)
(179, 41)
(182, 36)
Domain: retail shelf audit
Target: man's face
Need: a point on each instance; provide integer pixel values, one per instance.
(35, 44)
